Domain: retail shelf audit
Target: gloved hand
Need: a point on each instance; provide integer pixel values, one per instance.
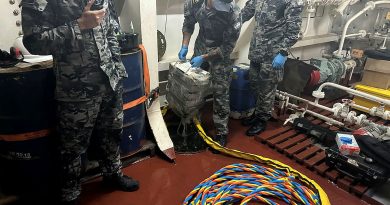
(197, 61)
(183, 52)
(278, 62)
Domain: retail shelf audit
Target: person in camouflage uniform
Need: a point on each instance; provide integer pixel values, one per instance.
(277, 27)
(220, 25)
(88, 70)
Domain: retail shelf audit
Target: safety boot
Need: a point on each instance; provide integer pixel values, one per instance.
(249, 121)
(221, 139)
(121, 182)
(257, 127)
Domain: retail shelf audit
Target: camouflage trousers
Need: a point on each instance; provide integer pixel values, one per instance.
(263, 82)
(96, 125)
(221, 76)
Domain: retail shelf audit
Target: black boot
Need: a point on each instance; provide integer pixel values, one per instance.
(258, 127)
(123, 183)
(249, 121)
(221, 139)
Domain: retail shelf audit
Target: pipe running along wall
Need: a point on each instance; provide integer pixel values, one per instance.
(369, 6)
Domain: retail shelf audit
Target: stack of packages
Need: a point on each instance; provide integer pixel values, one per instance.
(187, 89)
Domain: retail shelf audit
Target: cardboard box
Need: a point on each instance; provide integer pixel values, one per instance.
(347, 144)
(377, 73)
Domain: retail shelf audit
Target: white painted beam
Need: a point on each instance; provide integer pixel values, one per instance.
(143, 15)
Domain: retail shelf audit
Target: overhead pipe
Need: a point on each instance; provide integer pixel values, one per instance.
(310, 10)
(361, 33)
(369, 6)
(304, 33)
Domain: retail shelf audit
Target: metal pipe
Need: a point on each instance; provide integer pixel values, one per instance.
(335, 122)
(310, 10)
(359, 107)
(384, 43)
(307, 25)
(369, 5)
(353, 35)
(305, 101)
(353, 92)
(322, 117)
(361, 33)
(286, 96)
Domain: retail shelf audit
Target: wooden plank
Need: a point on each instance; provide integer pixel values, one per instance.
(333, 175)
(370, 200)
(307, 153)
(317, 122)
(321, 168)
(281, 138)
(269, 134)
(359, 189)
(345, 183)
(326, 125)
(290, 142)
(316, 159)
(298, 147)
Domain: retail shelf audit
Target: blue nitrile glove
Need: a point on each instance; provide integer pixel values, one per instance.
(278, 62)
(183, 52)
(197, 61)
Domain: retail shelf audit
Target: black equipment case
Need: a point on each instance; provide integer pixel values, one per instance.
(359, 168)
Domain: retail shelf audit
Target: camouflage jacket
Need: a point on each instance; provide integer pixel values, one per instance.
(50, 28)
(218, 31)
(278, 23)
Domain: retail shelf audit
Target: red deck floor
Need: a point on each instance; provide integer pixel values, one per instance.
(165, 183)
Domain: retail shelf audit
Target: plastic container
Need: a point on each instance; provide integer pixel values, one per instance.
(242, 100)
(134, 118)
(27, 117)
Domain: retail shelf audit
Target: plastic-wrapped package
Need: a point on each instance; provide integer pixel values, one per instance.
(187, 89)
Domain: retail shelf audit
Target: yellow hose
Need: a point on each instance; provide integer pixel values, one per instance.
(252, 157)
